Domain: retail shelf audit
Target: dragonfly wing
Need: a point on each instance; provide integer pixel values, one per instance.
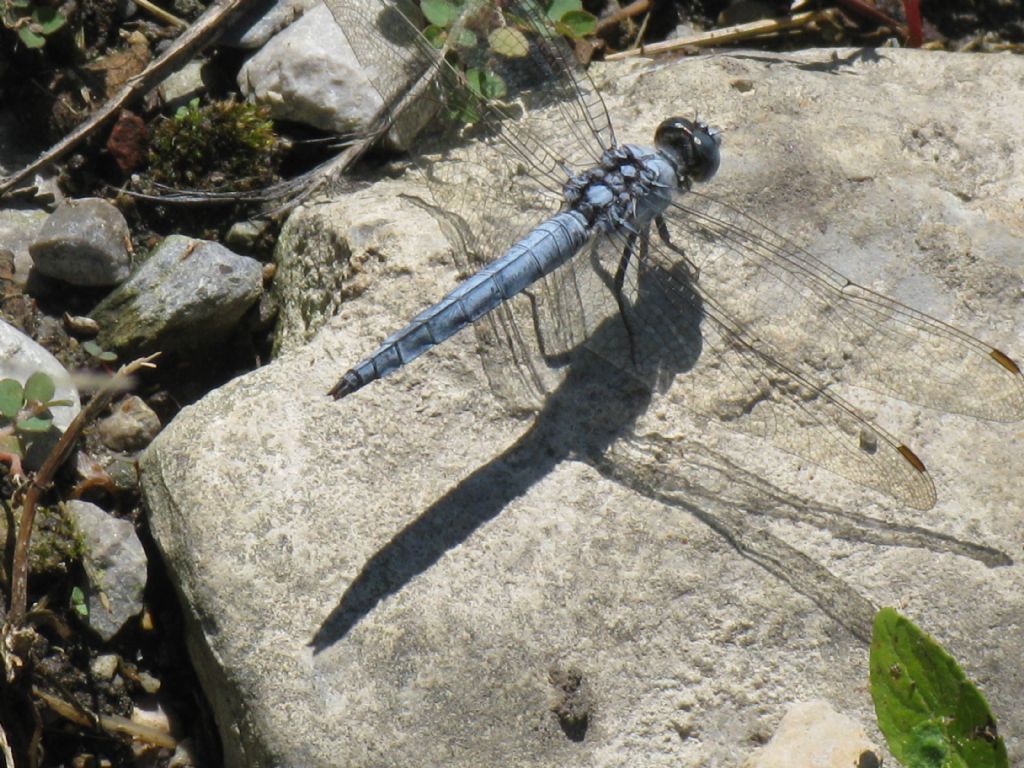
(697, 357)
(813, 319)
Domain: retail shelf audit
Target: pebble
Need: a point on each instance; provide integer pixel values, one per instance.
(115, 564)
(104, 666)
(131, 427)
(182, 86)
(189, 293)
(84, 242)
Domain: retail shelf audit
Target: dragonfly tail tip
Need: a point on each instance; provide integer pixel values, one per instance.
(346, 385)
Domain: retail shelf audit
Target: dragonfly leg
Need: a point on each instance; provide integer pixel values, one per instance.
(619, 281)
(693, 271)
(553, 360)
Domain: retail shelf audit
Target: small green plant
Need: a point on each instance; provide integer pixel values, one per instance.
(459, 25)
(571, 20)
(931, 715)
(93, 349)
(32, 21)
(78, 602)
(25, 416)
(225, 145)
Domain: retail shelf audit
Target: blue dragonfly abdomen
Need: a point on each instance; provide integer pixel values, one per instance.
(542, 251)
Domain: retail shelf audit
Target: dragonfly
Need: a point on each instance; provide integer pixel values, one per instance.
(572, 241)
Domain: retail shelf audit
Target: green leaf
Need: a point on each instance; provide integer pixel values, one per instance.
(35, 424)
(931, 715)
(474, 79)
(508, 42)
(94, 349)
(48, 19)
(464, 38)
(435, 35)
(486, 85)
(559, 8)
(465, 111)
(189, 110)
(78, 603)
(30, 39)
(440, 12)
(577, 24)
(11, 444)
(12, 397)
(39, 387)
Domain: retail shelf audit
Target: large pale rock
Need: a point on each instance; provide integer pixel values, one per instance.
(412, 577)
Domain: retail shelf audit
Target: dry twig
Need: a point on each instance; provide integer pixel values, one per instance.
(109, 723)
(726, 34)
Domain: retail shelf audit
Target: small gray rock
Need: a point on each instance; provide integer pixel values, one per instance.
(84, 242)
(131, 427)
(244, 234)
(115, 564)
(309, 74)
(188, 294)
(104, 667)
(183, 85)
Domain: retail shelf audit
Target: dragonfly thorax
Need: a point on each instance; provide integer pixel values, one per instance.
(628, 188)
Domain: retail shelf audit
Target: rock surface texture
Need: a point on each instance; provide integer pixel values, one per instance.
(813, 735)
(413, 577)
(115, 564)
(189, 293)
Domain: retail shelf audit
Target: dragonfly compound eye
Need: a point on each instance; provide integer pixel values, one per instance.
(691, 146)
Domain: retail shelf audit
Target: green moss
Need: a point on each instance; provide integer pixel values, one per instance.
(55, 544)
(225, 145)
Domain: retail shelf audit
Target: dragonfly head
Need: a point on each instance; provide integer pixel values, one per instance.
(691, 146)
